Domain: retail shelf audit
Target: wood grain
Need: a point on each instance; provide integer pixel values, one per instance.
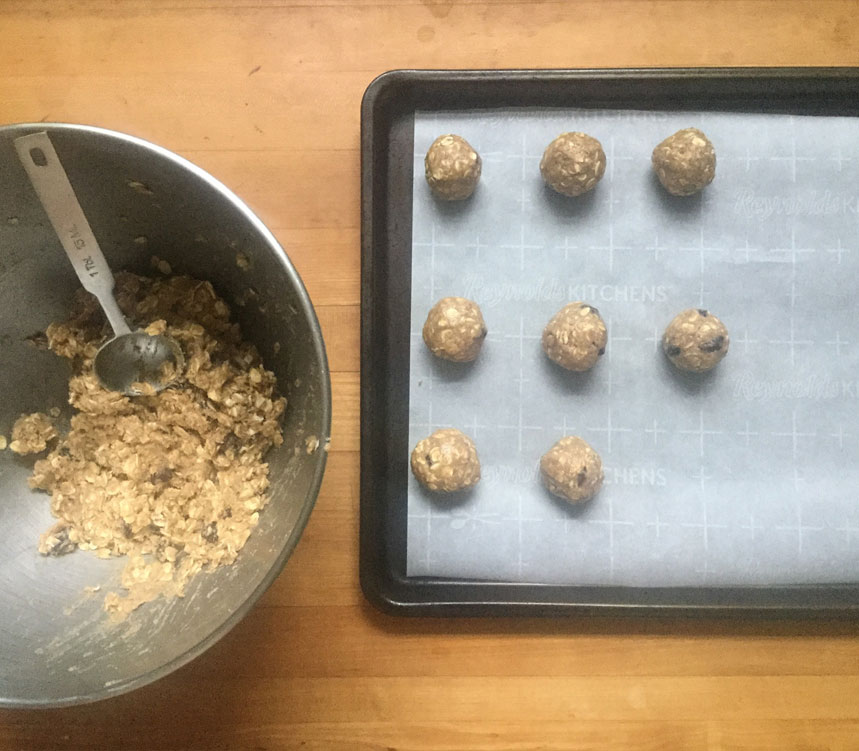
(265, 94)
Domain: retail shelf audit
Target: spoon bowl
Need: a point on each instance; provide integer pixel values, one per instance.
(132, 362)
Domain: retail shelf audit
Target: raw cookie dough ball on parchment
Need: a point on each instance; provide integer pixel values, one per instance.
(695, 340)
(576, 336)
(573, 163)
(454, 329)
(452, 168)
(685, 162)
(446, 461)
(572, 470)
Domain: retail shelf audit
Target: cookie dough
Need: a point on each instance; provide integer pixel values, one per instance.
(176, 481)
(32, 433)
(572, 470)
(446, 461)
(454, 329)
(695, 340)
(685, 162)
(576, 336)
(452, 168)
(573, 163)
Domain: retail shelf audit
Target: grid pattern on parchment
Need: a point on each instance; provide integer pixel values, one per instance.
(746, 476)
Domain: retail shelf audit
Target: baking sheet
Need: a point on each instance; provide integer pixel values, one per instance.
(748, 476)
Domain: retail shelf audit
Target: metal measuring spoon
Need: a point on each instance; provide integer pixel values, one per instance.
(131, 357)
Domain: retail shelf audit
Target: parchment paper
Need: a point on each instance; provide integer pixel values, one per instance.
(747, 476)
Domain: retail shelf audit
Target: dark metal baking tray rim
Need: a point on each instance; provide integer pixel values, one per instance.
(387, 135)
(449, 597)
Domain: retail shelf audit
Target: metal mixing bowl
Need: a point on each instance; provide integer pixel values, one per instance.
(56, 645)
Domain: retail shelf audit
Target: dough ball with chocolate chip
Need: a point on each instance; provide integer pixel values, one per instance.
(452, 168)
(695, 340)
(685, 162)
(572, 470)
(454, 329)
(575, 338)
(573, 163)
(446, 461)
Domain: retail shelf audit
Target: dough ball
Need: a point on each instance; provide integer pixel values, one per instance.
(573, 163)
(685, 162)
(695, 340)
(446, 461)
(32, 433)
(452, 168)
(454, 329)
(575, 338)
(572, 470)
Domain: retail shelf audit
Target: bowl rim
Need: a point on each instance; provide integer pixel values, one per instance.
(318, 345)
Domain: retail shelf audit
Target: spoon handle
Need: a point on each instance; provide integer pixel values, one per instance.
(54, 190)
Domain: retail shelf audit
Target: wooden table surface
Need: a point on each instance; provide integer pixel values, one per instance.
(265, 95)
